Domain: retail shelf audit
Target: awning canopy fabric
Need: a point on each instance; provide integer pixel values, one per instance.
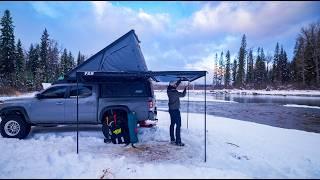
(158, 76)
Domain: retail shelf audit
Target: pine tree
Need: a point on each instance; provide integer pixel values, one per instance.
(299, 61)
(33, 66)
(215, 76)
(64, 63)
(234, 71)
(19, 67)
(241, 58)
(286, 71)
(257, 76)
(43, 66)
(275, 66)
(227, 74)
(67, 62)
(38, 79)
(7, 50)
(250, 67)
(263, 66)
(80, 58)
(29, 74)
(220, 69)
(53, 61)
(28, 62)
(71, 63)
(283, 65)
(260, 69)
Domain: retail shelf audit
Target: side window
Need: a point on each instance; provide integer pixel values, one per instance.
(55, 92)
(127, 89)
(84, 91)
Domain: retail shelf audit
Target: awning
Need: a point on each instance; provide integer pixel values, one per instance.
(158, 76)
(167, 76)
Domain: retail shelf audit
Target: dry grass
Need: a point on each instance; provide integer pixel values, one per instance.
(8, 91)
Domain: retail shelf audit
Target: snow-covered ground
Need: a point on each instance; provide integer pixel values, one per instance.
(301, 106)
(19, 96)
(271, 92)
(235, 149)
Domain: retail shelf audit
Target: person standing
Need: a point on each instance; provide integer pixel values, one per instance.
(174, 111)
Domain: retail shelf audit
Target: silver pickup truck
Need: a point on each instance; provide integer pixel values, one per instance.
(57, 105)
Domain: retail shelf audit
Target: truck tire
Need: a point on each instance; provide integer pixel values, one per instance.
(105, 130)
(14, 127)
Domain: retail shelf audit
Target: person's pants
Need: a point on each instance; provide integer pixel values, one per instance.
(175, 120)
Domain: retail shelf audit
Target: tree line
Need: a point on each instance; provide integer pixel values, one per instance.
(42, 62)
(45, 61)
(265, 71)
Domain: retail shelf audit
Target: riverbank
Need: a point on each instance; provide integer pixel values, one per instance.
(308, 93)
(313, 93)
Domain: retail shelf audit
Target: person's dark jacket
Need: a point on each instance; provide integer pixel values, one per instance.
(174, 97)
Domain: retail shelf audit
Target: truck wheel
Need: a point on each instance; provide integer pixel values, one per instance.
(14, 127)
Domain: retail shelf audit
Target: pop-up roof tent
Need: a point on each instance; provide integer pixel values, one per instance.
(123, 59)
(122, 55)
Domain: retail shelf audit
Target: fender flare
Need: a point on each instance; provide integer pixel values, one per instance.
(105, 109)
(7, 111)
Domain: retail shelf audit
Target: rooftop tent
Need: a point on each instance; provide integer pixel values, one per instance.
(124, 54)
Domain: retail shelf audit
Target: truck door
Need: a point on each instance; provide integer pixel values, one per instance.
(87, 105)
(50, 108)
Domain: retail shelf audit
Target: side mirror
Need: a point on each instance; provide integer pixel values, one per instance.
(39, 96)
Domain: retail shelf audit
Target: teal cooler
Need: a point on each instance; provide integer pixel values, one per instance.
(132, 125)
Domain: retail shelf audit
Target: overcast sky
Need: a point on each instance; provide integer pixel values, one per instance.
(173, 35)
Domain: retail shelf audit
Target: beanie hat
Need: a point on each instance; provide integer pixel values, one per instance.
(172, 83)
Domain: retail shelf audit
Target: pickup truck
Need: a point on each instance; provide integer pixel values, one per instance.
(97, 103)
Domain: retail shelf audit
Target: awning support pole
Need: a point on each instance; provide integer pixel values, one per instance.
(205, 118)
(188, 106)
(77, 114)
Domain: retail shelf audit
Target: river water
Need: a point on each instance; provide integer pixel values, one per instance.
(263, 109)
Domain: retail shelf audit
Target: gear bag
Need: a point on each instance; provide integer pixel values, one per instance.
(118, 130)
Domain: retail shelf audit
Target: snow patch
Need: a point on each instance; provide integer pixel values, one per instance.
(301, 106)
(45, 85)
(271, 92)
(31, 94)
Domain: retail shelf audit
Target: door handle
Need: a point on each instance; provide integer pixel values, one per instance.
(59, 103)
